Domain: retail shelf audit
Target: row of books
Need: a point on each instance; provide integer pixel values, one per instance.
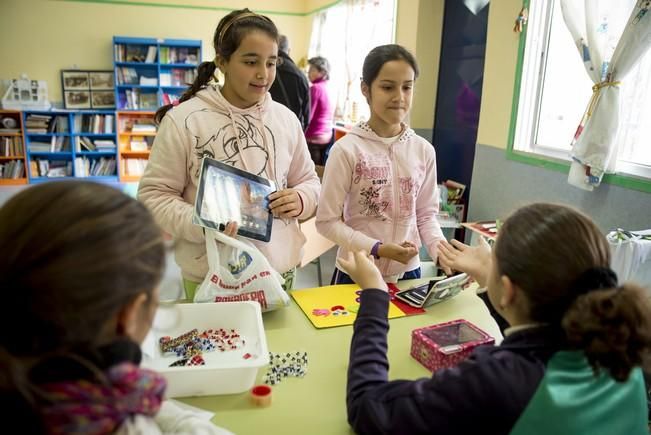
(12, 169)
(131, 76)
(50, 168)
(94, 123)
(138, 125)
(85, 167)
(140, 143)
(178, 77)
(135, 53)
(56, 144)
(134, 99)
(37, 123)
(170, 97)
(104, 145)
(134, 166)
(179, 55)
(11, 146)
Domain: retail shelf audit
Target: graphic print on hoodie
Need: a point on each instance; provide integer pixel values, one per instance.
(239, 142)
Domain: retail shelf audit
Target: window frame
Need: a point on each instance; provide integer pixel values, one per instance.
(637, 177)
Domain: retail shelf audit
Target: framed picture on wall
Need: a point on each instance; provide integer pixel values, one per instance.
(102, 99)
(76, 99)
(101, 80)
(86, 89)
(74, 80)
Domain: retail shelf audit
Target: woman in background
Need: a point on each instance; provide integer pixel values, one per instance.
(319, 131)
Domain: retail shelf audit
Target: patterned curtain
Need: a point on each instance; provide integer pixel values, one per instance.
(610, 46)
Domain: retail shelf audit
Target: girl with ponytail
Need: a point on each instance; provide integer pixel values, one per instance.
(571, 359)
(237, 123)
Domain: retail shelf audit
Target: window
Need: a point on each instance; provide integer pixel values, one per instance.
(344, 34)
(555, 90)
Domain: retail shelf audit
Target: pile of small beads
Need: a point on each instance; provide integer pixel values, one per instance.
(282, 365)
(189, 347)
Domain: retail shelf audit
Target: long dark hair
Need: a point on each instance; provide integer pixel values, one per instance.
(560, 259)
(74, 254)
(227, 38)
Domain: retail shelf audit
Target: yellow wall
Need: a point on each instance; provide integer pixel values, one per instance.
(499, 73)
(428, 53)
(41, 37)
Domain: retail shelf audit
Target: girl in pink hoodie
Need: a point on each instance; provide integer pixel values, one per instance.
(236, 123)
(379, 190)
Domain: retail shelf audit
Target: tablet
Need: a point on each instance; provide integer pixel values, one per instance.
(228, 194)
(433, 292)
(416, 296)
(446, 288)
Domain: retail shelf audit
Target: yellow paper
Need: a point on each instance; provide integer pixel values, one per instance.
(320, 305)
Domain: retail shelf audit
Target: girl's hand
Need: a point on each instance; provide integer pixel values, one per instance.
(362, 270)
(285, 203)
(476, 261)
(401, 253)
(231, 229)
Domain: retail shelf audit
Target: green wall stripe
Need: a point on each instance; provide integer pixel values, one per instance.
(626, 181)
(201, 7)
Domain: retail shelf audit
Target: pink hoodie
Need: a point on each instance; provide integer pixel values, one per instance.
(377, 192)
(266, 139)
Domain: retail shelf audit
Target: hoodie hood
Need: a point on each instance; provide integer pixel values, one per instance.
(212, 95)
(363, 130)
(255, 114)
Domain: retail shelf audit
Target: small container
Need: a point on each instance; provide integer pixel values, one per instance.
(446, 344)
(228, 372)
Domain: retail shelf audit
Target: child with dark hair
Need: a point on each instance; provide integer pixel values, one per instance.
(80, 271)
(319, 131)
(569, 363)
(379, 187)
(238, 124)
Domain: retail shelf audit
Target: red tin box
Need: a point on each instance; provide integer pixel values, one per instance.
(446, 344)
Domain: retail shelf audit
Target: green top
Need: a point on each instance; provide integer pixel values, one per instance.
(572, 400)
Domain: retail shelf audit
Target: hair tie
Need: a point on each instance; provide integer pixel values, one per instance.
(595, 278)
(175, 102)
(234, 19)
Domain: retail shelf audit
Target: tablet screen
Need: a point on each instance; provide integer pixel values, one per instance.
(227, 194)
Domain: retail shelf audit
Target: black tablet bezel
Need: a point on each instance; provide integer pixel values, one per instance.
(220, 166)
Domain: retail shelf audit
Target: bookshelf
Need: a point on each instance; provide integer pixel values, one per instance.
(150, 72)
(66, 144)
(12, 148)
(136, 132)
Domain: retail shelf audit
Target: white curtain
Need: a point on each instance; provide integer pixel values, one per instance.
(609, 45)
(344, 34)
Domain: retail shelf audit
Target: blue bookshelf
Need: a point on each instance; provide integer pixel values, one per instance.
(151, 72)
(71, 144)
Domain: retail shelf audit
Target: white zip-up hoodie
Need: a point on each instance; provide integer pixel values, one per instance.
(373, 191)
(265, 139)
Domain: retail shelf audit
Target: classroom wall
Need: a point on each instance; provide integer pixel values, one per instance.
(419, 28)
(41, 37)
(500, 185)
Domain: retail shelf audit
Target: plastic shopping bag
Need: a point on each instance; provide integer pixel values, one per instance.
(237, 271)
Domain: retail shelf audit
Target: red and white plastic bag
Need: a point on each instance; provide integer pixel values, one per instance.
(237, 271)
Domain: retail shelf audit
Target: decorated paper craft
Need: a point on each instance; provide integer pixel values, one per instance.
(337, 305)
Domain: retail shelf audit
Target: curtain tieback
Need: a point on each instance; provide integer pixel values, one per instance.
(596, 90)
